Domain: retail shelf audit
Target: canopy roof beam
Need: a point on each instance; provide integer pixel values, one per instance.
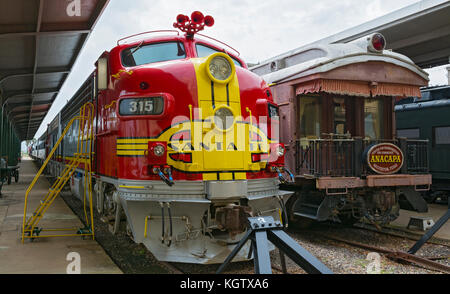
(36, 48)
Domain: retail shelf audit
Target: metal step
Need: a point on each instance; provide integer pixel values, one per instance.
(310, 216)
(319, 212)
(54, 191)
(316, 206)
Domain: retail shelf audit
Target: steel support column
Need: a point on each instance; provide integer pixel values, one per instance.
(431, 232)
(264, 229)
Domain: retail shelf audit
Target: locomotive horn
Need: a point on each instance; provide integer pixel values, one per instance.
(209, 21)
(197, 17)
(181, 18)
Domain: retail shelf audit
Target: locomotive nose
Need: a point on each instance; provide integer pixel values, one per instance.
(223, 139)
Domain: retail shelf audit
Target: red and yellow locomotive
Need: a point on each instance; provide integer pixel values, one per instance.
(185, 143)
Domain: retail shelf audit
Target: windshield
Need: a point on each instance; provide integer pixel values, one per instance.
(143, 54)
(203, 51)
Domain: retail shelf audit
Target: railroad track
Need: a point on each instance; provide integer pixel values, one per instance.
(247, 268)
(399, 256)
(402, 234)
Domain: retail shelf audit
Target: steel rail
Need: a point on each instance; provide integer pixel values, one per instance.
(396, 255)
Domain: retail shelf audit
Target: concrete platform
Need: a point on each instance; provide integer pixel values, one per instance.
(435, 211)
(44, 255)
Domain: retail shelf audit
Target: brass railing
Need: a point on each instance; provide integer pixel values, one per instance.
(344, 157)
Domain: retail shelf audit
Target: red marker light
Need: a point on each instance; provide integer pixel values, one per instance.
(257, 157)
(378, 42)
(197, 17)
(209, 21)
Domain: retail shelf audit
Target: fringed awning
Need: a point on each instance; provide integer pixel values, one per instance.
(355, 88)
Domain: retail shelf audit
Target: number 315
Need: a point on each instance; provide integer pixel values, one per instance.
(141, 106)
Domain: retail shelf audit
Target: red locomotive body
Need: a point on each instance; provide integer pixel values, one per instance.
(185, 143)
(175, 81)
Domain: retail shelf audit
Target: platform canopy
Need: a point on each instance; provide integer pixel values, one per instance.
(40, 41)
(420, 31)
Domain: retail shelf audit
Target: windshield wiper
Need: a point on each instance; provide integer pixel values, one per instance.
(181, 51)
(136, 49)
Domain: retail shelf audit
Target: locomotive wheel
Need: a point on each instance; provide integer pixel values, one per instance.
(9, 179)
(16, 177)
(109, 205)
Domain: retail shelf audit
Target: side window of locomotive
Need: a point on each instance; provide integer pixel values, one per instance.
(141, 106)
(273, 112)
(144, 54)
(203, 51)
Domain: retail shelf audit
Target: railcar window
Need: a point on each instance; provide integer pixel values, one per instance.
(441, 135)
(310, 116)
(340, 124)
(409, 133)
(203, 51)
(426, 96)
(150, 53)
(373, 118)
(70, 141)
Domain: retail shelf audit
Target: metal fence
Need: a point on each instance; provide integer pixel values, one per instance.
(416, 156)
(344, 157)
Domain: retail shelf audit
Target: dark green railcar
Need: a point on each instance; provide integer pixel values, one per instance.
(429, 118)
(9, 152)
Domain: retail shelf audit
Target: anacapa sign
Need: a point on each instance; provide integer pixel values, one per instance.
(385, 158)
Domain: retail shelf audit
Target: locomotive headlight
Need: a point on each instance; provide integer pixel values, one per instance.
(280, 150)
(220, 67)
(159, 150)
(223, 118)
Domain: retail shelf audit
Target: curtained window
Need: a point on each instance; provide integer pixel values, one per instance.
(340, 124)
(373, 118)
(310, 116)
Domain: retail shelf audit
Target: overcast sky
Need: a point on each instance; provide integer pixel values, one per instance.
(259, 29)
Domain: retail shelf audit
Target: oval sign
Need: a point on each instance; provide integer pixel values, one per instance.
(385, 158)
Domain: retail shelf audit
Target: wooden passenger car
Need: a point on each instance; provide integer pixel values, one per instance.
(337, 120)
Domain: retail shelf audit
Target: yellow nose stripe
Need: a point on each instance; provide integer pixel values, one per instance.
(211, 97)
